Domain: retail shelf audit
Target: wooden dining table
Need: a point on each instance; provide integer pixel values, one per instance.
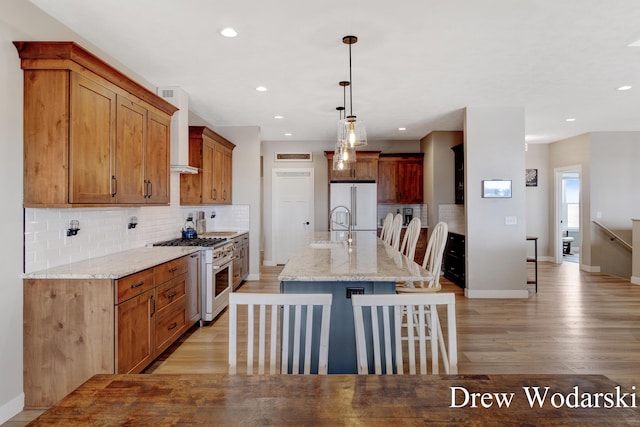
(317, 400)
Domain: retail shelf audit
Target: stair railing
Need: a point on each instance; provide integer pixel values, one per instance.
(614, 236)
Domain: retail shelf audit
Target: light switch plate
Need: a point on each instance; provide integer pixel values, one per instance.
(510, 220)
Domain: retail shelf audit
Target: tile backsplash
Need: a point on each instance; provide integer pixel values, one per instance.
(419, 211)
(104, 230)
(453, 215)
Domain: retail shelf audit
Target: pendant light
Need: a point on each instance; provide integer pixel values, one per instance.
(343, 155)
(352, 131)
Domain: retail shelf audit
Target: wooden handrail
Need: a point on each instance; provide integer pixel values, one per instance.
(614, 236)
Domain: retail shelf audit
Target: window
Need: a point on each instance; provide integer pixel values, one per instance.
(571, 201)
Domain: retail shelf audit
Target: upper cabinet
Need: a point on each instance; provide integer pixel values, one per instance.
(92, 136)
(458, 162)
(212, 154)
(365, 168)
(400, 178)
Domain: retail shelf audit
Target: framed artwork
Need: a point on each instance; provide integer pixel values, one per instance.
(532, 177)
(496, 188)
(293, 157)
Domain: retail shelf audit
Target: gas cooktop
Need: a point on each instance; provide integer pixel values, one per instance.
(192, 242)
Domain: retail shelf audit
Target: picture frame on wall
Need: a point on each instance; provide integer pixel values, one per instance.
(531, 177)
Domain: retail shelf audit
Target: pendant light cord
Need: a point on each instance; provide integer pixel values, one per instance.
(350, 84)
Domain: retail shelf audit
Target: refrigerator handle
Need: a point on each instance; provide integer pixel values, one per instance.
(354, 206)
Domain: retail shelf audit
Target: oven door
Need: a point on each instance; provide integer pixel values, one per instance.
(218, 285)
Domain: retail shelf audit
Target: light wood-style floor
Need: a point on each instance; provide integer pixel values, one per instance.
(586, 323)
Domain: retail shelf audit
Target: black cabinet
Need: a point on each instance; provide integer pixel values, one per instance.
(458, 151)
(454, 259)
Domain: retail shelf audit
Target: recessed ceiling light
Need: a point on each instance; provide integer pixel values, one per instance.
(261, 89)
(228, 32)
(287, 134)
(401, 129)
(624, 88)
(278, 117)
(570, 120)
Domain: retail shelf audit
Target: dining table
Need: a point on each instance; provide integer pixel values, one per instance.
(340, 400)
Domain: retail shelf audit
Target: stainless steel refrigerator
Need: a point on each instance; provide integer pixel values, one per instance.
(361, 199)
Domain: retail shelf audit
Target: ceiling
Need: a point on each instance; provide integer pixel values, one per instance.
(417, 63)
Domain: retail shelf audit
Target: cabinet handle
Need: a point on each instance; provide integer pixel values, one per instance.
(137, 285)
(173, 270)
(153, 301)
(224, 195)
(215, 194)
(173, 326)
(150, 191)
(114, 186)
(171, 295)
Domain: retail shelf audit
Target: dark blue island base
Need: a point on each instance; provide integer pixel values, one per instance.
(342, 340)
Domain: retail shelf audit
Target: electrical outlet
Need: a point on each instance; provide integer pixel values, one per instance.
(510, 220)
(354, 291)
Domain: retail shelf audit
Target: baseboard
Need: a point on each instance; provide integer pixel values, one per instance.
(590, 268)
(501, 294)
(11, 408)
(635, 280)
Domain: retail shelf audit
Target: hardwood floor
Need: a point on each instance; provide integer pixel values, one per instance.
(583, 323)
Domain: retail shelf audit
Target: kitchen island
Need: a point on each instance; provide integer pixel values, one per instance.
(327, 264)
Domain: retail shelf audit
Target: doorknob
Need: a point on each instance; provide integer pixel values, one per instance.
(306, 223)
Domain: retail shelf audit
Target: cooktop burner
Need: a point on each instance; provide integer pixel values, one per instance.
(192, 242)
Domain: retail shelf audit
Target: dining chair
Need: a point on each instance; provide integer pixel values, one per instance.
(385, 233)
(410, 240)
(379, 327)
(396, 229)
(292, 329)
(432, 262)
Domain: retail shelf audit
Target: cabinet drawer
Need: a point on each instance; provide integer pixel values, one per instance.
(133, 285)
(169, 270)
(170, 326)
(170, 292)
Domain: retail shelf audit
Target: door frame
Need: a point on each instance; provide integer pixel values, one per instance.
(557, 193)
(275, 209)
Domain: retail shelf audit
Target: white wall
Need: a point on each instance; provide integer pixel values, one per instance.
(537, 157)
(496, 269)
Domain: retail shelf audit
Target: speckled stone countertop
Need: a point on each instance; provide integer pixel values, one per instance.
(368, 259)
(116, 265)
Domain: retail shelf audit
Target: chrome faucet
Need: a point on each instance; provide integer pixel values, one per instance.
(349, 234)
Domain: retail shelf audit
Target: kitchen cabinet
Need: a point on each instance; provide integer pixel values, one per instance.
(92, 136)
(458, 163)
(365, 169)
(76, 328)
(240, 259)
(212, 154)
(400, 178)
(453, 262)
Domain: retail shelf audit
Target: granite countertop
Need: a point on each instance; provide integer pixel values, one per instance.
(116, 265)
(368, 259)
(225, 234)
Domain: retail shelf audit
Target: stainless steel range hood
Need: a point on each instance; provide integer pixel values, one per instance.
(179, 129)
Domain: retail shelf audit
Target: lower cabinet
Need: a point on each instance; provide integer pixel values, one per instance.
(453, 261)
(76, 328)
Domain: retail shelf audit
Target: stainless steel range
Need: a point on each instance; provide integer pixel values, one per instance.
(216, 275)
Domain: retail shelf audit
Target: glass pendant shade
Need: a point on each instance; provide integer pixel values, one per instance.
(352, 132)
(343, 156)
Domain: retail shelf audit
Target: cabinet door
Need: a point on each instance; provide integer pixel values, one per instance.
(387, 181)
(208, 149)
(131, 135)
(158, 147)
(410, 182)
(366, 169)
(135, 333)
(226, 175)
(92, 133)
(218, 168)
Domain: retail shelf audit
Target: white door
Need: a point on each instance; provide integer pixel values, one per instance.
(293, 211)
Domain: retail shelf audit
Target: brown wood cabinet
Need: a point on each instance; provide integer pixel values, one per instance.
(365, 169)
(92, 136)
(212, 154)
(76, 328)
(458, 151)
(400, 178)
(194, 298)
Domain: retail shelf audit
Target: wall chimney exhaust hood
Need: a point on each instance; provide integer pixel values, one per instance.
(179, 128)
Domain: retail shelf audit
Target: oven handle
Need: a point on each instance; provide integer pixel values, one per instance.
(222, 266)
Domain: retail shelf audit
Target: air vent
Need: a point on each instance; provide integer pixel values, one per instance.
(167, 93)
